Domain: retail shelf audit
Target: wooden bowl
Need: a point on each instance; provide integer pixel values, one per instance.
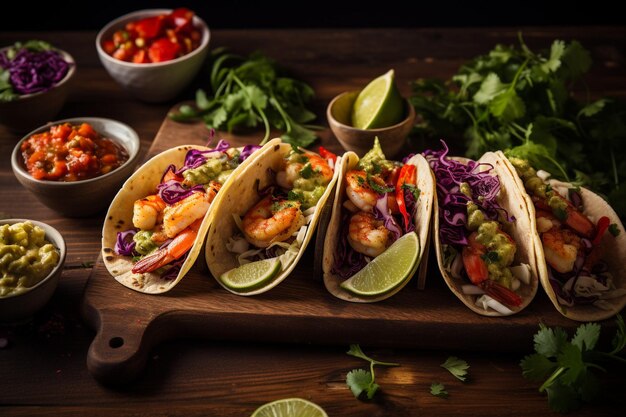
(391, 138)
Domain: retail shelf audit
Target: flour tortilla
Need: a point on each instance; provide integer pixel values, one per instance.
(424, 207)
(119, 218)
(240, 197)
(612, 248)
(520, 230)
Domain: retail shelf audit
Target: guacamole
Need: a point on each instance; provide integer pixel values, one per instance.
(535, 186)
(26, 257)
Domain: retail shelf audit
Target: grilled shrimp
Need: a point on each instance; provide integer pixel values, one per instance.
(270, 221)
(293, 170)
(367, 235)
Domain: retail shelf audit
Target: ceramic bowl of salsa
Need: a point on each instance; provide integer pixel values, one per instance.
(33, 259)
(76, 166)
(155, 53)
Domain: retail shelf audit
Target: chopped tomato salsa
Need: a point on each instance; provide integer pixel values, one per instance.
(71, 153)
(155, 39)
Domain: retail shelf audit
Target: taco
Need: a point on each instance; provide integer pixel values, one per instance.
(581, 244)
(377, 202)
(268, 217)
(485, 247)
(157, 222)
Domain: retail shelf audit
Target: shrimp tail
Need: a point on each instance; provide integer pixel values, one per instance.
(152, 262)
(500, 293)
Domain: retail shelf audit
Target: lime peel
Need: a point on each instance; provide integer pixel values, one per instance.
(379, 104)
(290, 407)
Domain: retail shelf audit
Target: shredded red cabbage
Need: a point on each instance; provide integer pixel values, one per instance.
(347, 261)
(247, 151)
(125, 245)
(33, 72)
(453, 207)
(172, 272)
(381, 212)
(173, 191)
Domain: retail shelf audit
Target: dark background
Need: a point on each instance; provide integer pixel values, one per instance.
(92, 15)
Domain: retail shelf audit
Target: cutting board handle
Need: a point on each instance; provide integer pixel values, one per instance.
(120, 349)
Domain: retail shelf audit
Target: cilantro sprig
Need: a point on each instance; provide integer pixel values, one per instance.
(568, 367)
(438, 390)
(361, 381)
(457, 367)
(246, 92)
(516, 99)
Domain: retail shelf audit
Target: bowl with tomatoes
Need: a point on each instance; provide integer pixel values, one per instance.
(76, 166)
(154, 53)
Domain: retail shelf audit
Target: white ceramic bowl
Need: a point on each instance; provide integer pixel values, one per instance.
(86, 197)
(23, 305)
(159, 81)
(31, 110)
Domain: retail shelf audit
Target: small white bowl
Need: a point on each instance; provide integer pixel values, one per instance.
(159, 81)
(31, 110)
(23, 305)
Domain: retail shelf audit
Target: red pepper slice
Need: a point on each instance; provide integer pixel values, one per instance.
(408, 175)
(602, 226)
(163, 50)
(149, 27)
(328, 155)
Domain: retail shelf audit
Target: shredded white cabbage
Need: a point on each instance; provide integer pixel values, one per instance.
(544, 175)
(469, 289)
(521, 272)
(237, 244)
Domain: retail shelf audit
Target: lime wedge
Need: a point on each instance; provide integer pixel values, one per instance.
(250, 276)
(379, 104)
(290, 407)
(387, 270)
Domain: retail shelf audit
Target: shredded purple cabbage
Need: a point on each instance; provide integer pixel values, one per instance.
(123, 245)
(381, 212)
(453, 207)
(247, 151)
(172, 272)
(32, 72)
(347, 261)
(405, 160)
(173, 191)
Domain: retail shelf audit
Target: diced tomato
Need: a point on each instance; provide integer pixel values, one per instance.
(120, 37)
(122, 54)
(61, 131)
(182, 19)
(140, 57)
(108, 46)
(150, 27)
(87, 131)
(163, 50)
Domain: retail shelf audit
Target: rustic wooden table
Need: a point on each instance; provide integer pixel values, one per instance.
(42, 361)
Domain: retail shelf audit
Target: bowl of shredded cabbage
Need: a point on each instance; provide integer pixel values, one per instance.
(34, 83)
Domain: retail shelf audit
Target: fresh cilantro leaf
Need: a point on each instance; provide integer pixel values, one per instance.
(216, 118)
(556, 53)
(490, 88)
(295, 196)
(571, 360)
(549, 342)
(376, 186)
(438, 390)
(576, 59)
(359, 380)
(614, 230)
(306, 171)
(507, 106)
(413, 190)
(562, 398)
(586, 336)
(457, 367)
(491, 257)
(537, 367)
(594, 108)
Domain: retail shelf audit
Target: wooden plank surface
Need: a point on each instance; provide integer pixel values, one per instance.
(42, 370)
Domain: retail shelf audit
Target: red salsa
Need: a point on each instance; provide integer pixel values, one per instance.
(71, 153)
(155, 39)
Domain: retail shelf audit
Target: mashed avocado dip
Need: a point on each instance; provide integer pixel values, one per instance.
(26, 257)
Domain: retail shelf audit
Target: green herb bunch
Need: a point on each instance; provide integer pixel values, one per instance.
(246, 92)
(569, 367)
(517, 100)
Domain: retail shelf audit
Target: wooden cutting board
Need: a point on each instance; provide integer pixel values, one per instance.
(299, 310)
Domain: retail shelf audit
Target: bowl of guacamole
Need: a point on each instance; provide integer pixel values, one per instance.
(32, 255)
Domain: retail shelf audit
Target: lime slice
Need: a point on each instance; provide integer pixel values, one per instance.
(379, 104)
(290, 407)
(250, 276)
(387, 270)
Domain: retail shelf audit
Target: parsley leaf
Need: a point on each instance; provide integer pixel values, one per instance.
(438, 390)
(567, 365)
(457, 367)
(360, 380)
(249, 91)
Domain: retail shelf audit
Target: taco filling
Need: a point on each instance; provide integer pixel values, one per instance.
(475, 246)
(166, 223)
(276, 225)
(380, 208)
(570, 240)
